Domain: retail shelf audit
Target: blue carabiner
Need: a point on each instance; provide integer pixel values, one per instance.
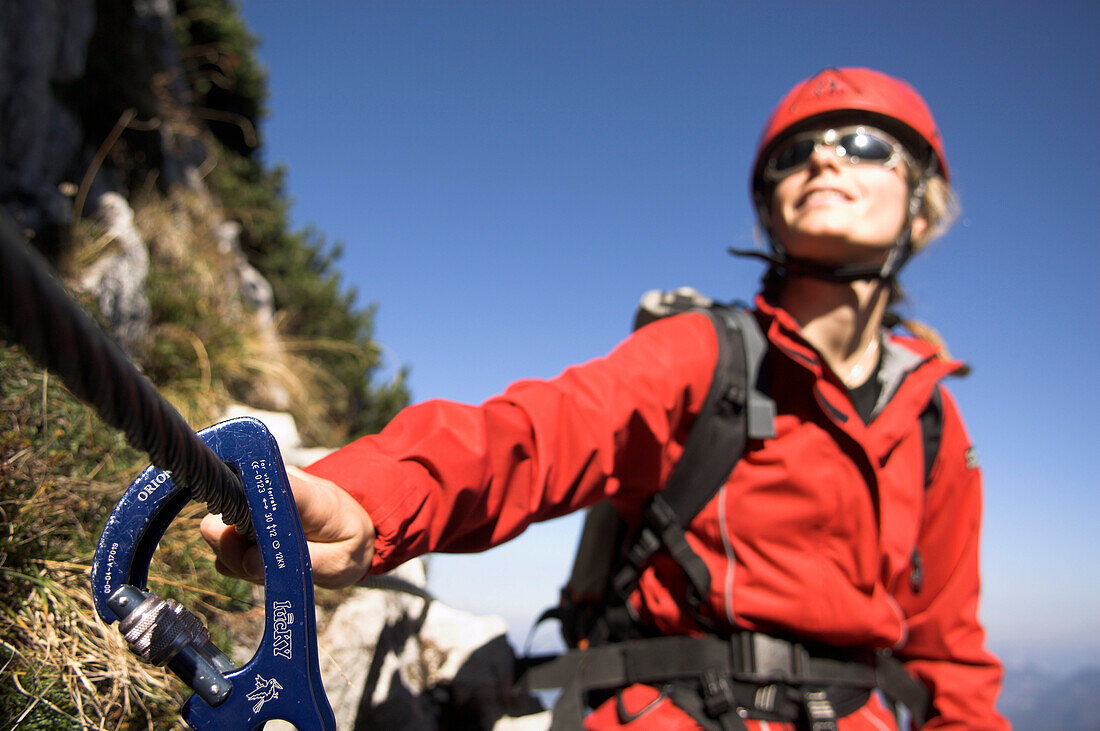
(282, 680)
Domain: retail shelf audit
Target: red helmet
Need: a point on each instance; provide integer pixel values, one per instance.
(886, 102)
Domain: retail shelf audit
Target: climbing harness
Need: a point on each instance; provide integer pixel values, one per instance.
(749, 672)
(234, 467)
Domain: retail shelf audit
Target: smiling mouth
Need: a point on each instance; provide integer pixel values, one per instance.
(823, 197)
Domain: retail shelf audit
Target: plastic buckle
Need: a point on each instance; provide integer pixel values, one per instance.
(773, 658)
(718, 698)
(282, 680)
(660, 515)
(645, 545)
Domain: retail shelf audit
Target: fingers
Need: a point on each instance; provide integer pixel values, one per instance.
(339, 535)
(236, 555)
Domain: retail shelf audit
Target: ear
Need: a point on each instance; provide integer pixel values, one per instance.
(918, 228)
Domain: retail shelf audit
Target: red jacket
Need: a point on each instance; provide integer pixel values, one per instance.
(811, 535)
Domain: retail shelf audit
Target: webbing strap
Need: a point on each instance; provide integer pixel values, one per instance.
(669, 658)
(734, 411)
(620, 665)
(634, 661)
(747, 658)
(717, 438)
(901, 687)
(761, 408)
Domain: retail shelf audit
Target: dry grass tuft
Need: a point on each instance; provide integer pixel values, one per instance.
(210, 345)
(60, 471)
(59, 649)
(61, 667)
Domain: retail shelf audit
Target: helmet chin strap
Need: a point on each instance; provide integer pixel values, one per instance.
(787, 266)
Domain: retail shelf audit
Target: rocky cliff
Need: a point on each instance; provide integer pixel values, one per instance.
(93, 99)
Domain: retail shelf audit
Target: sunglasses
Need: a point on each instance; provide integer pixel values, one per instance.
(856, 145)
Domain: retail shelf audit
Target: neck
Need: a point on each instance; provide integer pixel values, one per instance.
(841, 320)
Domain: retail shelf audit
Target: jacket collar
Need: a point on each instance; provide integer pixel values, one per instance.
(903, 357)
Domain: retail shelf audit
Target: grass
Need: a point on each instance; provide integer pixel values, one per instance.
(60, 471)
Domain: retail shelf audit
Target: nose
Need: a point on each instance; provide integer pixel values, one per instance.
(824, 156)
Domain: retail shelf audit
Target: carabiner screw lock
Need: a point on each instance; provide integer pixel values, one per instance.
(163, 632)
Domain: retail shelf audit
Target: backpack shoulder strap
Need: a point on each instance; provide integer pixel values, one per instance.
(734, 411)
(931, 427)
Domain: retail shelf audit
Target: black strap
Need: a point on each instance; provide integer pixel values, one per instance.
(735, 409)
(931, 426)
(661, 659)
(900, 687)
(748, 660)
(791, 266)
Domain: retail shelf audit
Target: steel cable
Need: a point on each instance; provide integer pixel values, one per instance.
(53, 329)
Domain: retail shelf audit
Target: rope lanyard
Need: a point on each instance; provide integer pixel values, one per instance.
(37, 314)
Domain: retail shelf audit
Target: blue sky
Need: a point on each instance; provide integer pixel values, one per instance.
(508, 177)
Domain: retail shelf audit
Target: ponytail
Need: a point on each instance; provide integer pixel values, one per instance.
(926, 333)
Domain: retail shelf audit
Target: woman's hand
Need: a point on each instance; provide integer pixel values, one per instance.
(339, 534)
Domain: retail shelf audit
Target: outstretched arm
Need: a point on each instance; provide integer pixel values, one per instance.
(450, 477)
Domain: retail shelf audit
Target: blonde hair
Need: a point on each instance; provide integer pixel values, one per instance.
(929, 335)
(939, 208)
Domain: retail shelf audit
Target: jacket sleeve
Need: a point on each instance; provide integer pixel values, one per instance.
(946, 646)
(449, 477)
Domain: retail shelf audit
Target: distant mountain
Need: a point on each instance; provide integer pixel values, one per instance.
(1034, 700)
